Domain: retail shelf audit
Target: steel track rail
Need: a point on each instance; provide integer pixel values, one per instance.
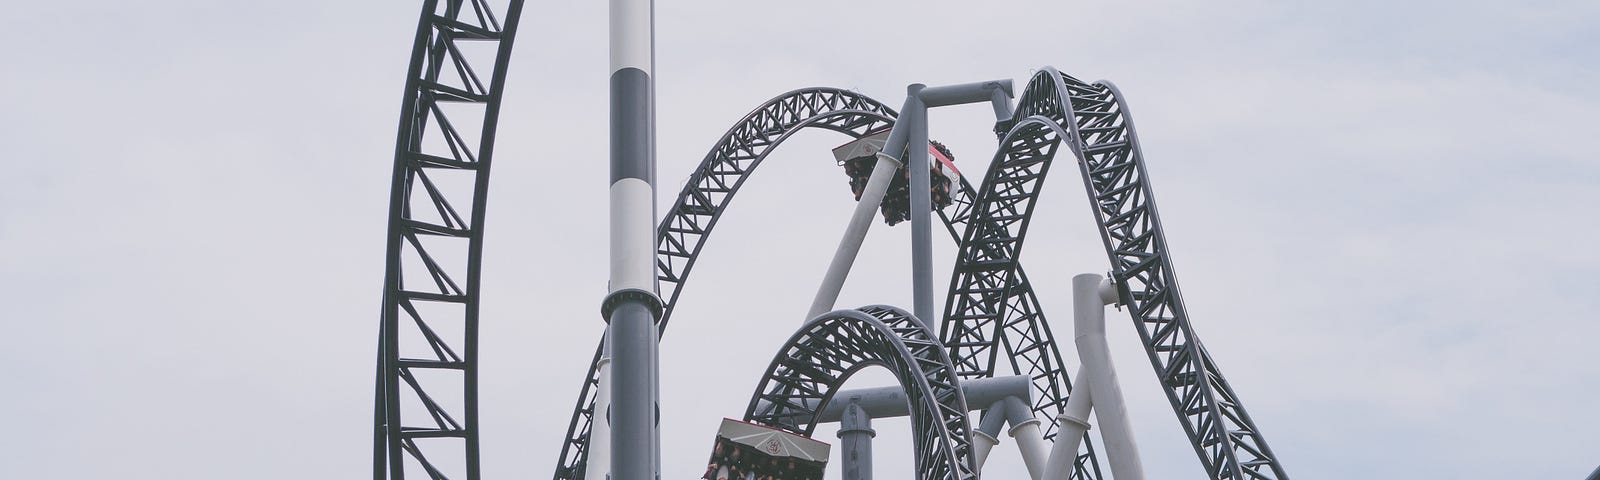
(1092, 120)
(819, 358)
(711, 188)
(433, 260)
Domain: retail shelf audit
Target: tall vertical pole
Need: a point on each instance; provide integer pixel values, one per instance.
(632, 307)
(921, 205)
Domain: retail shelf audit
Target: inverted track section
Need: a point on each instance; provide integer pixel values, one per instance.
(819, 358)
(427, 404)
(989, 294)
(712, 186)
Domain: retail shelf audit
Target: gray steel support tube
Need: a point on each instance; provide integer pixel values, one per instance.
(910, 129)
(987, 435)
(1071, 424)
(921, 204)
(1001, 100)
(860, 220)
(1089, 298)
(855, 435)
(1030, 439)
(889, 402)
(974, 92)
(632, 307)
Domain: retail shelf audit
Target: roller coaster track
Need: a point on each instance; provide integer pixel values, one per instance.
(426, 400)
(811, 366)
(989, 295)
(428, 332)
(710, 189)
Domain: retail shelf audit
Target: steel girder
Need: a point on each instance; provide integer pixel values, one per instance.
(426, 413)
(986, 292)
(817, 360)
(711, 188)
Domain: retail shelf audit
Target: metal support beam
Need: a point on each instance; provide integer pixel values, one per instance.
(975, 92)
(916, 114)
(1001, 100)
(1090, 295)
(1030, 439)
(856, 231)
(891, 402)
(987, 435)
(911, 128)
(1071, 424)
(855, 435)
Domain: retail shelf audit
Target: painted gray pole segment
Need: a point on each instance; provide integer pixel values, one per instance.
(855, 435)
(632, 306)
(1595, 475)
(1089, 298)
(921, 204)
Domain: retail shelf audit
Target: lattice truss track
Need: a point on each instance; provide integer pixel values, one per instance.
(989, 300)
(811, 366)
(426, 416)
(426, 401)
(709, 191)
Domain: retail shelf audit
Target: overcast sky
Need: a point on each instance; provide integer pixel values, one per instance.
(1382, 216)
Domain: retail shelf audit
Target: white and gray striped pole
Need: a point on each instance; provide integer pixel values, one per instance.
(632, 307)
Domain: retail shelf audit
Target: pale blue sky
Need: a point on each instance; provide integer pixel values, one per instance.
(1381, 213)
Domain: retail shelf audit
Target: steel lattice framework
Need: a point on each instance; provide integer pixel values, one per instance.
(711, 188)
(811, 366)
(426, 397)
(989, 294)
(426, 409)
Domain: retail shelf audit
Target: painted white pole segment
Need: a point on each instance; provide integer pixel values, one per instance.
(1071, 425)
(632, 35)
(633, 236)
(1089, 322)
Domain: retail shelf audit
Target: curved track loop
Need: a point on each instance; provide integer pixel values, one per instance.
(1096, 126)
(706, 195)
(818, 359)
(711, 187)
(426, 409)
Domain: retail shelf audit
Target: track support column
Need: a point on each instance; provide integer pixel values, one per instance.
(1090, 295)
(855, 434)
(921, 204)
(632, 307)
